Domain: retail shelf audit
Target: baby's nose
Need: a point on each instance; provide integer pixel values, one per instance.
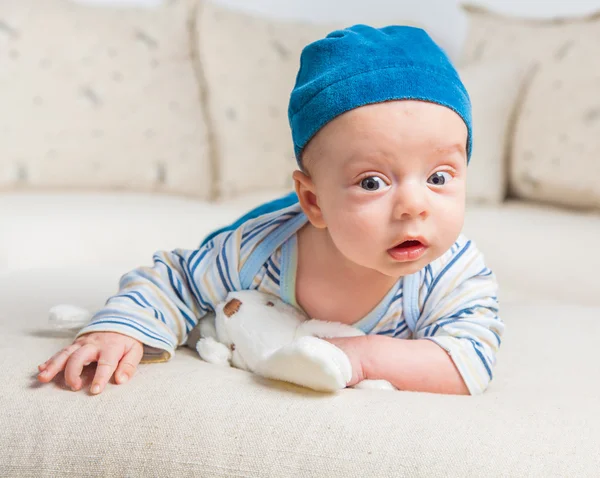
(410, 203)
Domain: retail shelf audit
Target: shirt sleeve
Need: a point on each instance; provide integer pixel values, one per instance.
(160, 305)
(458, 300)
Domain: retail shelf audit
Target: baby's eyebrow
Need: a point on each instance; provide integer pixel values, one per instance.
(366, 160)
(454, 148)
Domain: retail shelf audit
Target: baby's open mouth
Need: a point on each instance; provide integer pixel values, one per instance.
(407, 250)
(407, 244)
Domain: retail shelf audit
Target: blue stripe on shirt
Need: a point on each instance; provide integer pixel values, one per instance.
(174, 284)
(192, 272)
(128, 324)
(182, 263)
(482, 358)
(230, 284)
(401, 330)
(260, 226)
(446, 269)
(272, 277)
(129, 296)
(274, 267)
(255, 232)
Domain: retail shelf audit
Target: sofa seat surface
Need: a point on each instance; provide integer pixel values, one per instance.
(188, 418)
(538, 253)
(58, 229)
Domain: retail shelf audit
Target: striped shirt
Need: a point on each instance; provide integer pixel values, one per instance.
(452, 301)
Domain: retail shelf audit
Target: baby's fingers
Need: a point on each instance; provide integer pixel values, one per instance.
(128, 364)
(107, 363)
(82, 357)
(56, 363)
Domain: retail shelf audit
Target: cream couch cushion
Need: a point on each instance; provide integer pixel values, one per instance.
(556, 153)
(537, 253)
(494, 88)
(100, 98)
(250, 64)
(494, 36)
(119, 229)
(556, 144)
(188, 418)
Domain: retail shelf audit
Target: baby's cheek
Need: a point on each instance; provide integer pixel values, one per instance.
(450, 224)
(355, 224)
(357, 236)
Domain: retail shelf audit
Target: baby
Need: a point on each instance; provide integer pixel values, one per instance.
(381, 125)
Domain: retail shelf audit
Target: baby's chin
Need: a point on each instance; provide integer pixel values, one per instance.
(406, 268)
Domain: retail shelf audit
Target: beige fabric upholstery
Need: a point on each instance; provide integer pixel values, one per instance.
(537, 253)
(250, 64)
(101, 98)
(556, 143)
(494, 88)
(120, 229)
(189, 418)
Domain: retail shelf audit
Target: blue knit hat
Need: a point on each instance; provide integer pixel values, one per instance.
(362, 65)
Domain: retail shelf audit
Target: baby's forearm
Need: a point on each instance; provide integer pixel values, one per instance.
(412, 365)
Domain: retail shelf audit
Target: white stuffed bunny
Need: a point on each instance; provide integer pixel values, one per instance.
(264, 335)
(260, 333)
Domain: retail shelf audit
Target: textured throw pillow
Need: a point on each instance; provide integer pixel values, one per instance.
(100, 98)
(556, 148)
(250, 65)
(494, 88)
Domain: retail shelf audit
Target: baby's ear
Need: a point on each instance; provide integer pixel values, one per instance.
(307, 195)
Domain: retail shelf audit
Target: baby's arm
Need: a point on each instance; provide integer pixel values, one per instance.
(410, 365)
(155, 306)
(459, 312)
(459, 322)
(160, 305)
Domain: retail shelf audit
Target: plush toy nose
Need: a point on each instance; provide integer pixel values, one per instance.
(232, 307)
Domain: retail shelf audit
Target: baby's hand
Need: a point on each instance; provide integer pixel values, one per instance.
(356, 349)
(111, 350)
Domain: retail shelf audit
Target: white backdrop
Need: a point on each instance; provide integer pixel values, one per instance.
(443, 18)
(334, 8)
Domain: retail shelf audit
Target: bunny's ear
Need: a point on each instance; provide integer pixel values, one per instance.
(67, 316)
(232, 307)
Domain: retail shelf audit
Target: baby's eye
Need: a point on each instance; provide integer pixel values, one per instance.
(372, 183)
(440, 178)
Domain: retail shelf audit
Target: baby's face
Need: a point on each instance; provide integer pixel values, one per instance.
(390, 181)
